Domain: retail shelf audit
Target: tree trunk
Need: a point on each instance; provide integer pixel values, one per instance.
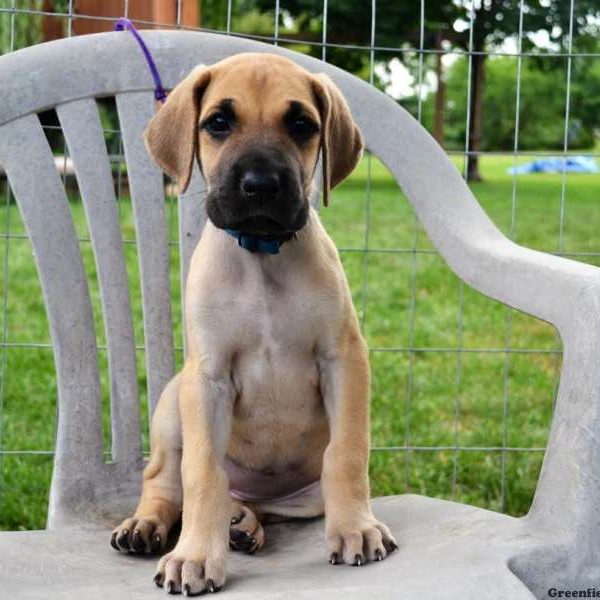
(440, 96)
(476, 114)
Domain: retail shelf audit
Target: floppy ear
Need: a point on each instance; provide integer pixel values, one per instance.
(172, 134)
(341, 140)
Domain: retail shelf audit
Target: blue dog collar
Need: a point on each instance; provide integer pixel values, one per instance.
(254, 243)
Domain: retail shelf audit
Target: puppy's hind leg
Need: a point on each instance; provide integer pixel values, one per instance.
(246, 533)
(159, 506)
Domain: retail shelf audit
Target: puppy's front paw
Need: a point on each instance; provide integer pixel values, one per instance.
(192, 568)
(356, 540)
(140, 536)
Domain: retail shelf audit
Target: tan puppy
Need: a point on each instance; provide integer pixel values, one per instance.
(270, 415)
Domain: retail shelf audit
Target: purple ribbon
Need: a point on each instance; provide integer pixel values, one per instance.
(159, 91)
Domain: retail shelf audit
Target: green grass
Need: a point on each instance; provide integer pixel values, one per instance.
(431, 396)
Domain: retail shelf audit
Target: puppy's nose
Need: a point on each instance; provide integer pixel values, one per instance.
(260, 183)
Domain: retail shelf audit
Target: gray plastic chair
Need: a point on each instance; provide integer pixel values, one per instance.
(447, 549)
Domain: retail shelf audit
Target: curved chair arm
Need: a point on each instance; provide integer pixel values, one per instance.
(540, 284)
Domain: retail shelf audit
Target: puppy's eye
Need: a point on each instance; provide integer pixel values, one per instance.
(302, 128)
(218, 125)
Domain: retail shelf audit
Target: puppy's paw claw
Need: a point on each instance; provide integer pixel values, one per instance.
(113, 540)
(137, 543)
(156, 544)
(123, 541)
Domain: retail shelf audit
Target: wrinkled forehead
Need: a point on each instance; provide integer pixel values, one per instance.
(259, 87)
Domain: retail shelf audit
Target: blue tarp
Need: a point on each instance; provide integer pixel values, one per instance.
(556, 164)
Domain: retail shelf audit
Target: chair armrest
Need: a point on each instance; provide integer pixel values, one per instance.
(546, 286)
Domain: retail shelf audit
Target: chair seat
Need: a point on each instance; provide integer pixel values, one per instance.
(447, 550)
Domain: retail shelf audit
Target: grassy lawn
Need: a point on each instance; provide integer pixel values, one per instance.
(427, 396)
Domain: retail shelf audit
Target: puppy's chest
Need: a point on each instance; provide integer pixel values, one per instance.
(271, 328)
(268, 314)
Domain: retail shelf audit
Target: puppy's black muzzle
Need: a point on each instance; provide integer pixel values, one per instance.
(259, 192)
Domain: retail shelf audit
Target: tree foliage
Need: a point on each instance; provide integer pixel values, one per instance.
(542, 105)
(396, 25)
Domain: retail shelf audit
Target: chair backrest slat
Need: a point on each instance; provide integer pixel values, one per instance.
(147, 195)
(192, 218)
(29, 164)
(81, 126)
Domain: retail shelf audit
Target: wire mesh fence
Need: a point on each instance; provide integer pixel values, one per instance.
(463, 387)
